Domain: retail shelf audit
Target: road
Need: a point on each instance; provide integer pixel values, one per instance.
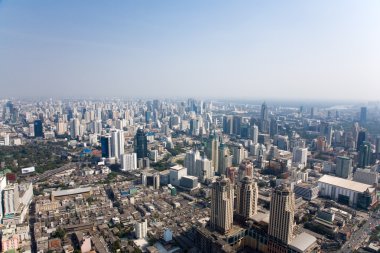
(359, 236)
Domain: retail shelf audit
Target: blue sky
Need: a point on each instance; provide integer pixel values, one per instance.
(219, 49)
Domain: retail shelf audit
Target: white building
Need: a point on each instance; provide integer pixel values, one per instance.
(117, 143)
(11, 199)
(129, 162)
(176, 173)
(141, 229)
(300, 156)
(348, 192)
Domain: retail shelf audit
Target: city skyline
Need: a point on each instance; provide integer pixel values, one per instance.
(222, 50)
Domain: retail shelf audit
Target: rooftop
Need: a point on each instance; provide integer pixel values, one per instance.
(70, 191)
(344, 183)
(303, 241)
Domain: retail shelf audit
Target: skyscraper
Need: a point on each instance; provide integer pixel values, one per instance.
(227, 124)
(362, 137)
(141, 144)
(204, 169)
(300, 156)
(222, 205)
(254, 134)
(117, 143)
(223, 152)
(363, 115)
(247, 196)
(38, 129)
(264, 119)
(281, 219)
(129, 162)
(343, 167)
(212, 150)
(236, 125)
(190, 162)
(365, 154)
(105, 142)
(74, 128)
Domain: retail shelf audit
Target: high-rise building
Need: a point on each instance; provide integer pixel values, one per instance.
(300, 156)
(129, 162)
(105, 142)
(156, 181)
(365, 155)
(254, 134)
(362, 137)
(204, 169)
(11, 199)
(74, 128)
(236, 125)
(223, 152)
(343, 167)
(38, 129)
(212, 150)
(117, 143)
(247, 197)
(264, 120)
(281, 219)
(377, 144)
(222, 205)
(141, 144)
(141, 229)
(190, 162)
(227, 124)
(363, 115)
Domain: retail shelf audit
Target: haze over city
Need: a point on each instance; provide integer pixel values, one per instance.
(320, 50)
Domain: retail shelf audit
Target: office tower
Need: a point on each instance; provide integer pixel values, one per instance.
(212, 150)
(326, 131)
(274, 125)
(195, 125)
(141, 229)
(156, 181)
(363, 115)
(355, 132)
(239, 153)
(129, 162)
(312, 112)
(281, 219)
(236, 125)
(204, 169)
(264, 122)
(222, 205)
(8, 111)
(362, 137)
(61, 127)
(245, 130)
(148, 117)
(11, 199)
(343, 167)
(227, 124)
(247, 197)
(74, 128)
(365, 155)
(300, 156)
(105, 142)
(117, 143)
(254, 134)
(146, 162)
(223, 152)
(144, 179)
(377, 144)
(141, 144)
(190, 162)
(38, 129)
